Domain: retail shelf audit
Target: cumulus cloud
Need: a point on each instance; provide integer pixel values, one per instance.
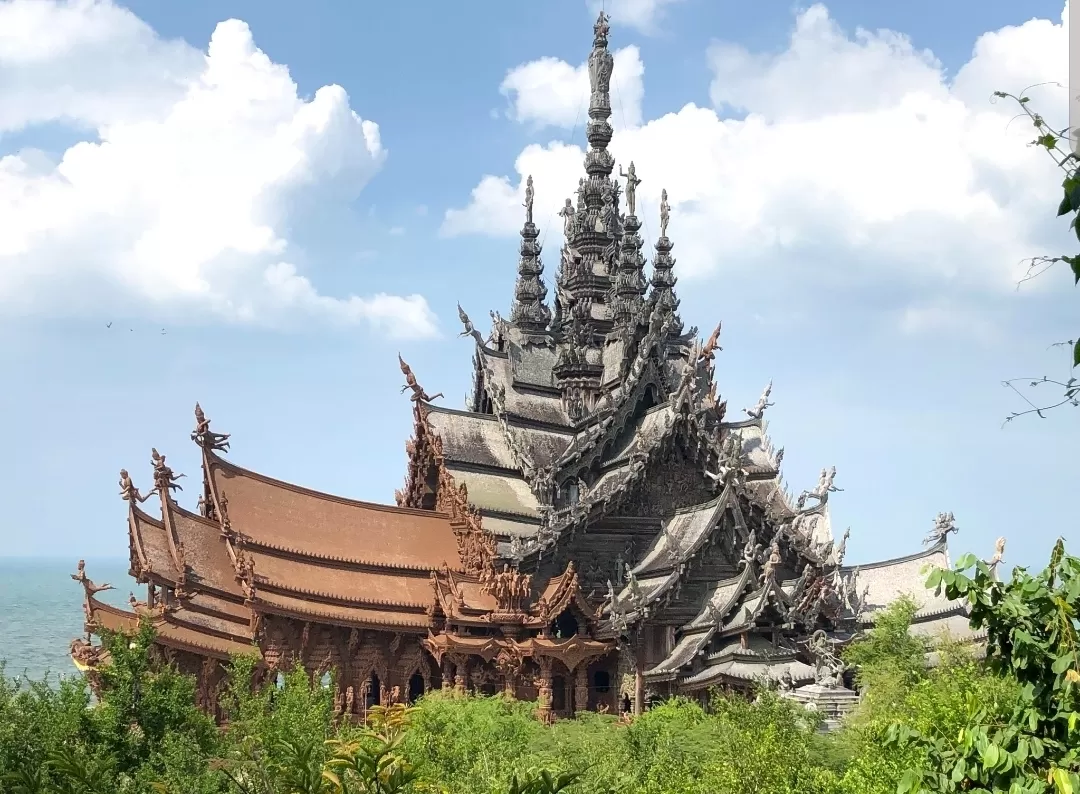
(853, 158)
(180, 198)
(644, 15)
(551, 92)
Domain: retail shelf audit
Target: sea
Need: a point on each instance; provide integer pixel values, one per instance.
(41, 612)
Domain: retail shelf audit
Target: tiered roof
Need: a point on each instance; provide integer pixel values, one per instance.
(266, 547)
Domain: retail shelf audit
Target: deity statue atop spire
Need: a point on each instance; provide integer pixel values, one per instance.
(601, 61)
(530, 194)
(665, 213)
(632, 181)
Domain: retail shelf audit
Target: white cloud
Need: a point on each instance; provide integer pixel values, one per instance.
(857, 160)
(551, 92)
(181, 201)
(644, 15)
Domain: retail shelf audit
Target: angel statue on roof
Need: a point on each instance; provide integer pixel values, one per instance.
(758, 410)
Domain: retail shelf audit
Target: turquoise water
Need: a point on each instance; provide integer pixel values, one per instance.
(41, 611)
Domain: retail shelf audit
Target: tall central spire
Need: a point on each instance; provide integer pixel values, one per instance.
(598, 161)
(593, 228)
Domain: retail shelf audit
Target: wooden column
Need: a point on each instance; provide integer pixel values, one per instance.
(543, 687)
(581, 688)
(639, 675)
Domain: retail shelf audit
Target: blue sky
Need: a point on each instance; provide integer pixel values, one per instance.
(845, 198)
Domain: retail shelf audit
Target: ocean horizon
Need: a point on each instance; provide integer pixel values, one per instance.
(41, 611)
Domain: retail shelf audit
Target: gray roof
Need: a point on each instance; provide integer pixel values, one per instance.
(886, 581)
(500, 493)
(683, 534)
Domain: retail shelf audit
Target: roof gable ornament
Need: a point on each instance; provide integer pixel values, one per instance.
(204, 436)
(128, 492)
(944, 525)
(469, 328)
(418, 393)
(712, 345)
(758, 410)
(820, 492)
(999, 554)
(165, 480)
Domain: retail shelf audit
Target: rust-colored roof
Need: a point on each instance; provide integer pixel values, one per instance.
(150, 541)
(318, 579)
(285, 516)
(306, 608)
(169, 633)
(205, 552)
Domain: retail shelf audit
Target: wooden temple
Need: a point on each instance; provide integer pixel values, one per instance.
(591, 531)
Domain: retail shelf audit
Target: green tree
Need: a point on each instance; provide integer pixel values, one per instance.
(1031, 743)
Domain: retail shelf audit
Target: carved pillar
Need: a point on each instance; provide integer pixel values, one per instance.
(447, 677)
(461, 665)
(543, 688)
(581, 688)
(639, 677)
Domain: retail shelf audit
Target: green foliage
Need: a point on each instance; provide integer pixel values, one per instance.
(890, 651)
(145, 730)
(1028, 742)
(1052, 141)
(1006, 725)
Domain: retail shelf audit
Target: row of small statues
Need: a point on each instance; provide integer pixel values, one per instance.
(610, 190)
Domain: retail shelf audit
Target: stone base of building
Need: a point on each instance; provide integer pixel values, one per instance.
(833, 703)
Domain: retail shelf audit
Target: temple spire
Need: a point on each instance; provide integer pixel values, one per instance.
(529, 312)
(663, 276)
(629, 278)
(601, 63)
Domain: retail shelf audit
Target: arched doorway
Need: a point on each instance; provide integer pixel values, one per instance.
(374, 692)
(416, 687)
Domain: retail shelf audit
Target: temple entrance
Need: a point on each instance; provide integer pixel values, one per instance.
(601, 689)
(558, 694)
(416, 687)
(374, 692)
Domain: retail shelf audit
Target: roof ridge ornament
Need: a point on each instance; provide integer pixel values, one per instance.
(712, 345)
(758, 411)
(944, 525)
(128, 492)
(205, 437)
(418, 393)
(999, 553)
(165, 479)
(821, 491)
(469, 328)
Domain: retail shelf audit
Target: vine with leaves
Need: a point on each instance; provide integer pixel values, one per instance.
(1051, 140)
